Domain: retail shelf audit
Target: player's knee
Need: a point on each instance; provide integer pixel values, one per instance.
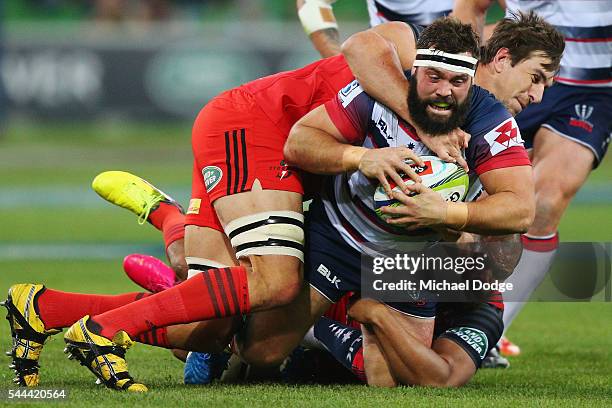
(268, 359)
(550, 205)
(283, 284)
(262, 355)
(381, 381)
(180, 269)
(176, 255)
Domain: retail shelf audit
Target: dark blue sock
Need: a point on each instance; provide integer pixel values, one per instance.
(343, 342)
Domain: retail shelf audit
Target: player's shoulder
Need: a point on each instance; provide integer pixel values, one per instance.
(486, 112)
(348, 93)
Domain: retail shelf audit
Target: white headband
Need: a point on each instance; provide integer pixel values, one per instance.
(445, 60)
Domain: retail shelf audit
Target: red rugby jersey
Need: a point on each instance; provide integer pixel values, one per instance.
(287, 96)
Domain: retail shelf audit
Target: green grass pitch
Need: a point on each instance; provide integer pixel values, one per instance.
(567, 347)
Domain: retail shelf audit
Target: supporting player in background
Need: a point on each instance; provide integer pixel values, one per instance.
(317, 17)
(569, 131)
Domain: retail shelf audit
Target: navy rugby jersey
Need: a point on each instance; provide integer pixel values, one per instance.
(348, 198)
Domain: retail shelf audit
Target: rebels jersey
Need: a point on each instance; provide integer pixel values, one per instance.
(348, 198)
(287, 96)
(587, 27)
(421, 12)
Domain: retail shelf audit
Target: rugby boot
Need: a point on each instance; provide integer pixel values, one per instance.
(204, 368)
(508, 348)
(131, 192)
(495, 360)
(27, 331)
(103, 357)
(149, 272)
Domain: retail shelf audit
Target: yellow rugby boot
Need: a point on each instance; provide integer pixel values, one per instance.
(27, 331)
(103, 357)
(131, 192)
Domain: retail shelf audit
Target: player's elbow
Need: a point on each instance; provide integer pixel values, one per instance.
(526, 222)
(291, 150)
(367, 43)
(526, 214)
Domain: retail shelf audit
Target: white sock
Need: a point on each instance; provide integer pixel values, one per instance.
(538, 255)
(311, 342)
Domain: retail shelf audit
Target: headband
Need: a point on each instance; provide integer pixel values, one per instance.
(445, 60)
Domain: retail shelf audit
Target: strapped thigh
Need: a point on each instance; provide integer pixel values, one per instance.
(268, 233)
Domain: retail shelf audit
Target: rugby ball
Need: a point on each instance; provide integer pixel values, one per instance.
(448, 179)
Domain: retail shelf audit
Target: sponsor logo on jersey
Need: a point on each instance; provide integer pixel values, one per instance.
(504, 136)
(474, 338)
(283, 170)
(349, 92)
(333, 279)
(583, 112)
(424, 170)
(382, 126)
(194, 206)
(212, 176)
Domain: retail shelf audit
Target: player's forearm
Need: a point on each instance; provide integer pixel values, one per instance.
(472, 12)
(313, 150)
(326, 41)
(376, 64)
(500, 213)
(317, 18)
(412, 362)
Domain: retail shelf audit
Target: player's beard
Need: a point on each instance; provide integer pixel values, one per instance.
(436, 125)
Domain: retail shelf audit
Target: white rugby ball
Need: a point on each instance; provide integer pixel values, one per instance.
(448, 179)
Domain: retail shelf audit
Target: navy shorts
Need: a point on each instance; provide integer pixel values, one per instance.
(579, 113)
(474, 327)
(333, 267)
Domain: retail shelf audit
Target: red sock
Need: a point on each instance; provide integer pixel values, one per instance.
(158, 337)
(212, 294)
(170, 221)
(540, 244)
(59, 309)
(357, 366)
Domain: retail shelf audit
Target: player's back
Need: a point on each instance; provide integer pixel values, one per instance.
(287, 96)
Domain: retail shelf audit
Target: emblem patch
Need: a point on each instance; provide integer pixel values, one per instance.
(212, 176)
(194, 206)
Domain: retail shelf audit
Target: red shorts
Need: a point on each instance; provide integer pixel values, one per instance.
(234, 143)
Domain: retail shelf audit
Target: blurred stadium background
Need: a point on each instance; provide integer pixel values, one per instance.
(87, 86)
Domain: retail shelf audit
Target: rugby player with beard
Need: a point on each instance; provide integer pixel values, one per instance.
(517, 75)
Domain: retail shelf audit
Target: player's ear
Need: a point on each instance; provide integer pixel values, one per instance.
(502, 60)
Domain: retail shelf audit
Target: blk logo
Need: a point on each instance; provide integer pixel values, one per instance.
(333, 279)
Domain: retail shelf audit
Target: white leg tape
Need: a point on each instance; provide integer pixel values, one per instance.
(268, 233)
(197, 265)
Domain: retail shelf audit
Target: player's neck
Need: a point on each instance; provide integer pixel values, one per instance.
(484, 78)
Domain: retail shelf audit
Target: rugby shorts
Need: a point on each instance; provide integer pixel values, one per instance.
(475, 327)
(578, 113)
(333, 267)
(234, 143)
